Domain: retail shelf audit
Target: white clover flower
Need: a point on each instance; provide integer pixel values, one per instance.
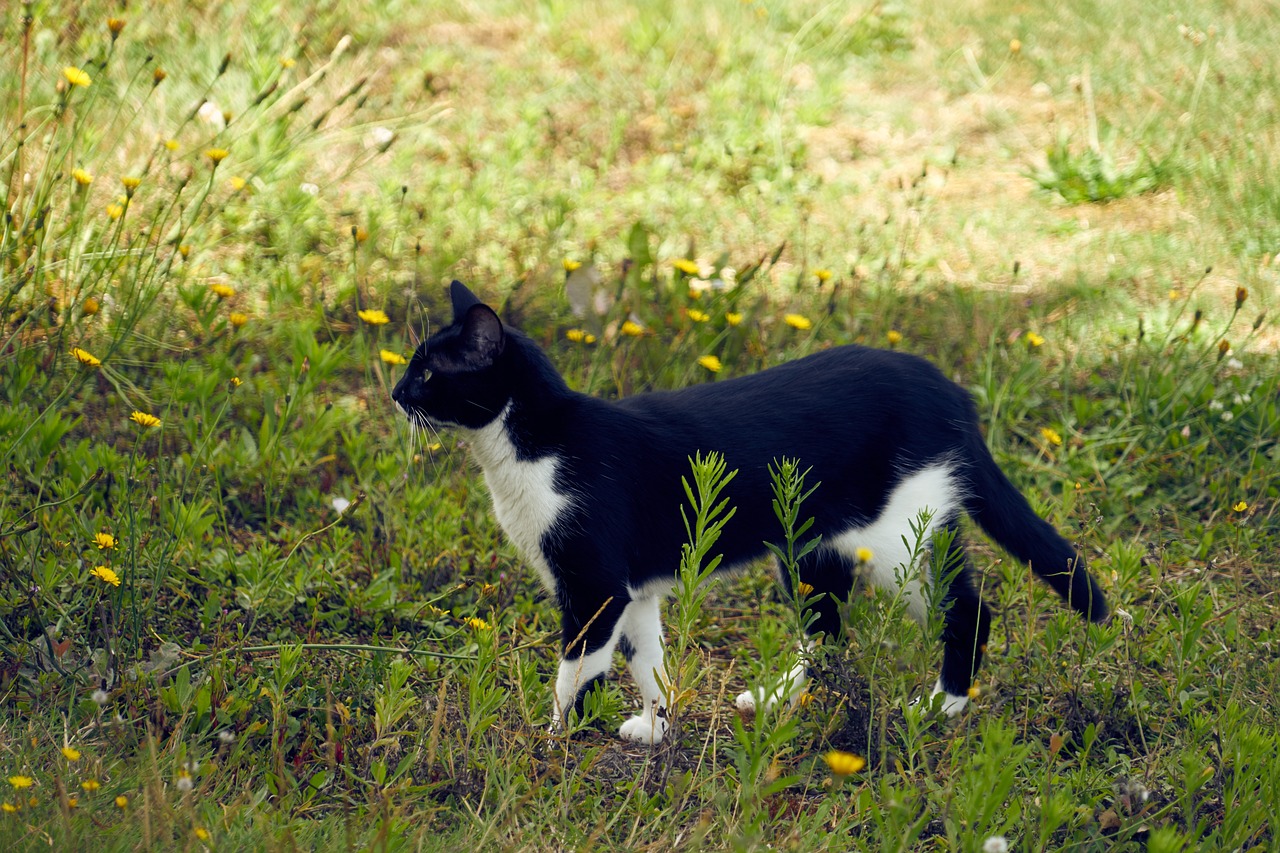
(996, 844)
(211, 114)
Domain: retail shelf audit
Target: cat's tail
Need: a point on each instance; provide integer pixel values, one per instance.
(1001, 510)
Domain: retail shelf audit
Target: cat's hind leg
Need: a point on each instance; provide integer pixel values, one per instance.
(966, 626)
(831, 578)
(641, 645)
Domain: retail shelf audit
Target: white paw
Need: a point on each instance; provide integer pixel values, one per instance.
(952, 704)
(746, 703)
(648, 729)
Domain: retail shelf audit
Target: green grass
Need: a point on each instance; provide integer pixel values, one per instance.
(273, 674)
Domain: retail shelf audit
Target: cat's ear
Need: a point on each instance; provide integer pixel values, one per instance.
(462, 298)
(482, 335)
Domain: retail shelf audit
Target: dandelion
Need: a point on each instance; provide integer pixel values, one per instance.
(733, 318)
(631, 329)
(1034, 340)
(434, 446)
(82, 177)
(90, 307)
(157, 77)
(392, 357)
(805, 588)
(115, 25)
(184, 249)
(236, 382)
(130, 183)
(894, 337)
(9, 808)
(698, 316)
(287, 62)
(237, 319)
(805, 699)
(1015, 46)
(237, 184)
(144, 419)
(1242, 506)
(864, 555)
(996, 843)
(710, 362)
(570, 265)
(91, 785)
(76, 76)
(21, 782)
(171, 144)
(122, 802)
(844, 763)
(217, 155)
(71, 753)
(104, 541)
(477, 623)
(685, 266)
(202, 833)
(105, 574)
(115, 211)
(580, 336)
(823, 275)
(374, 316)
(222, 290)
(798, 321)
(1051, 435)
(85, 357)
(974, 692)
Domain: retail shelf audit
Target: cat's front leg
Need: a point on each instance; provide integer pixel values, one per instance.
(789, 690)
(642, 647)
(589, 633)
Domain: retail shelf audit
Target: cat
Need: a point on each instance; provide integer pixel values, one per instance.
(589, 491)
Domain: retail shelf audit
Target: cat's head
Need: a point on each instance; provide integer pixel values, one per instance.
(456, 376)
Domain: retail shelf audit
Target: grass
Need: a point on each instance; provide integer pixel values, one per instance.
(650, 197)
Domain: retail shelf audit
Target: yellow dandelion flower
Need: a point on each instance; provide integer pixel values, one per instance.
(1034, 340)
(805, 699)
(698, 316)
(76, 76)
(864, 555)
(798, 321)
(805, 588)
(1174, 295)
(392, 357)
(72, 802)
(222, 290)
(237, 184)
(374, 316)
(71, 753)
(82, 177)
(1015, 46)
(974, 692)
(89, 307)
(21, 782)
(202, 833)
(85, 357)
(115, 25)
(733, 318)
(122, 802)
(1051, 435)
(106, 575)
(823, 275)
(130, 183)
(686, 266)
(434, 446)
(1242, 506)
(104, 541)
(894, 337)
(235, 382)
(570, 265)
(9, 808)
(287, 62)
(479, 624)
(115, 211)
(631, 329)
(217, 155)
(844, 763)
(91, 785)
(580, 336)
(171, 144)
(145, 420)
(157, 77)
(237, 319)
(710, 362)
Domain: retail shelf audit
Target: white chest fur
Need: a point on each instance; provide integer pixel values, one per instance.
(525, 499)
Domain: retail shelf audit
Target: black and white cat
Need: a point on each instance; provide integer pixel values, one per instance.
(590, 491)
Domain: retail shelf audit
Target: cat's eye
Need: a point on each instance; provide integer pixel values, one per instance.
(426, 374)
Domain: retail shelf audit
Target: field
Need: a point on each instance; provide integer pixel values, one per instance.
(243, 606)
